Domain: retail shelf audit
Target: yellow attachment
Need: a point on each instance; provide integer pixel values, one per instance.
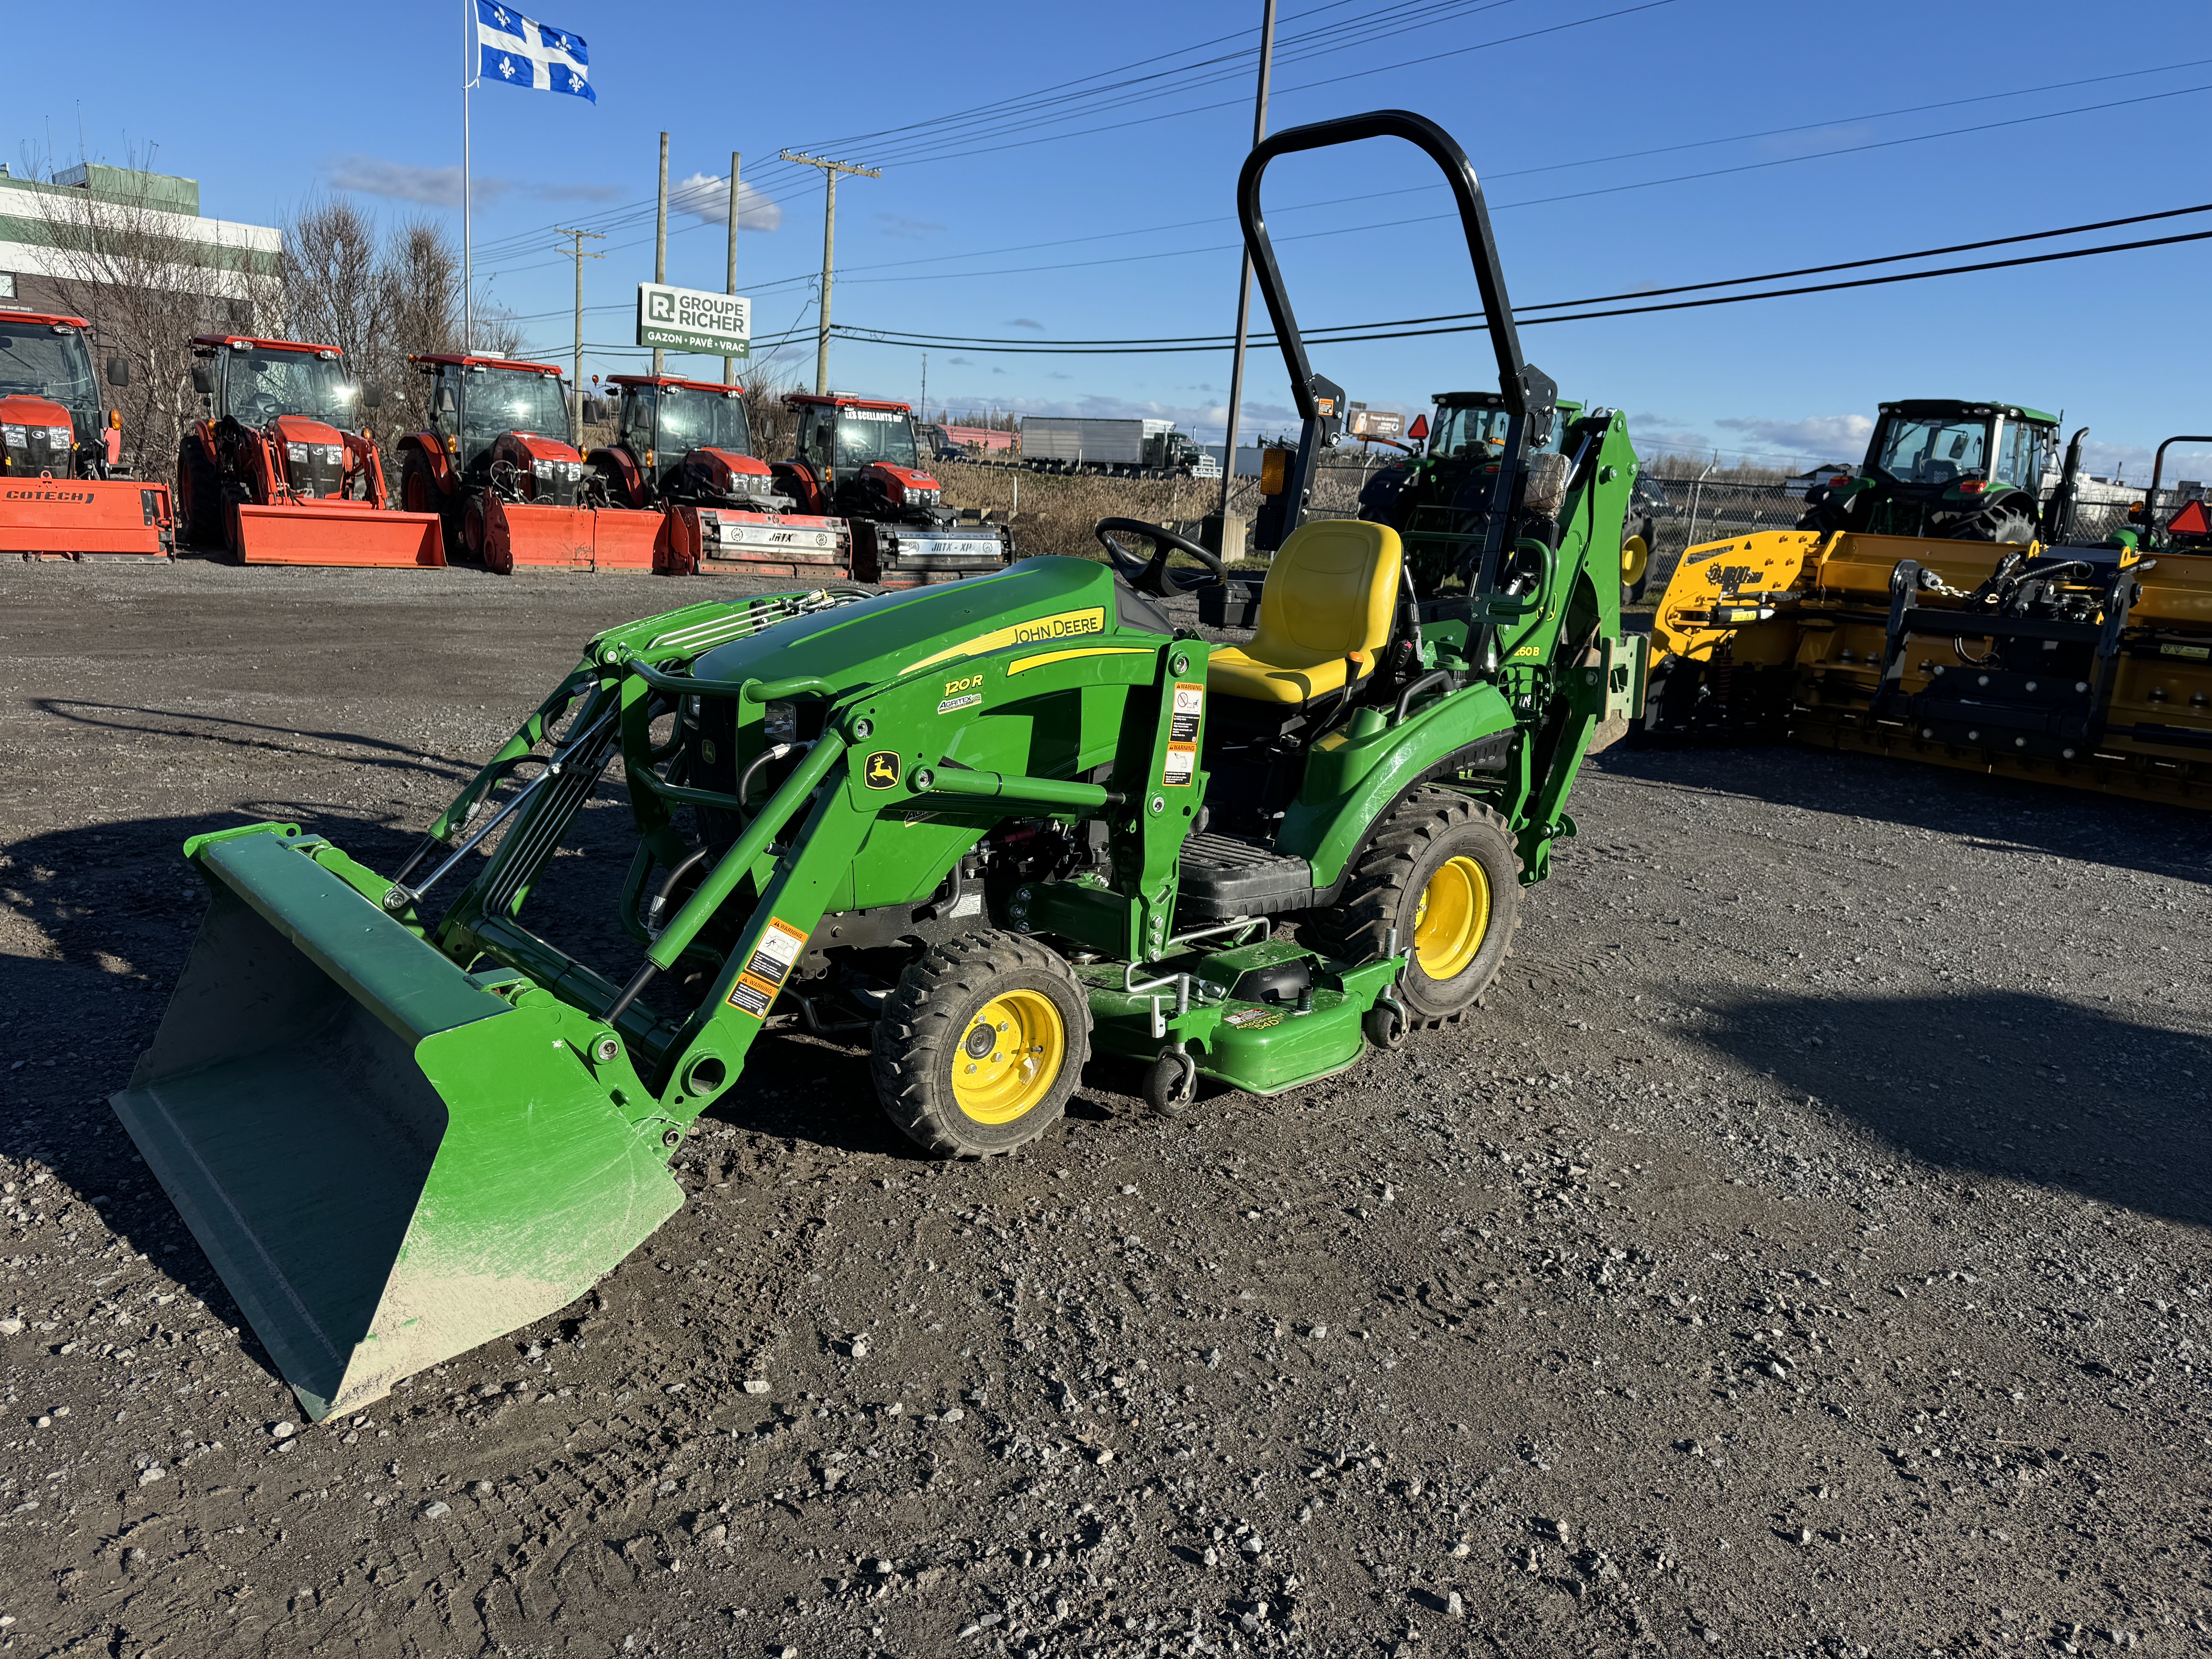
(1007, 1061)
(1452, 918)
(1331, 591)
(1635, 559)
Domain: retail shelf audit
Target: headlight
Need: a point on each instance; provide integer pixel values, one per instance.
(543, 469)
(59, 437)
(13, 436)
(780, 724)
(334, 453)
(297, 452)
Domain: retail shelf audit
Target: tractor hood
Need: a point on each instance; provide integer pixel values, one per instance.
(743, 466)
(305, 429)
(19, 409)
(1037, 601)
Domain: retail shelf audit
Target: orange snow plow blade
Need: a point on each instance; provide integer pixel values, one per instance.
(64, 518)
(517, 534)
(336, 532)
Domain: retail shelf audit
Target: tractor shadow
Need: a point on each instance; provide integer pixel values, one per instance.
(1996, 814)
(2023, 1087)
(118, 909)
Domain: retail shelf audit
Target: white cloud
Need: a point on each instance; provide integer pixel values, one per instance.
(1025, 322)
(905, 228)
(1816, 437)
(372, 175)
(706, 197)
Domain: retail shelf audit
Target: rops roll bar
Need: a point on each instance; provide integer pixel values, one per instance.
(1530, 395)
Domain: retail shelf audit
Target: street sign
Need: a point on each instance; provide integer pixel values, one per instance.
(690, 319)
(1376, 423)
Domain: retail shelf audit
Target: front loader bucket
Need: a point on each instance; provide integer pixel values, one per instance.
(386, 1164)
(336, 532)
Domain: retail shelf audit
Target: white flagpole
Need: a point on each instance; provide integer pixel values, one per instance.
(468, 237)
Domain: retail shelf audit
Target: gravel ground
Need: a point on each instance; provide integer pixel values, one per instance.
(1804, 1252)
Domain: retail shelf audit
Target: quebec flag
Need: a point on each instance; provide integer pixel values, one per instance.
(521, 52)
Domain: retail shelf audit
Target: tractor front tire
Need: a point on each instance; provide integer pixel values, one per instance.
(419, 493)
(201, 508)
(980, 1047)
(1442, 873)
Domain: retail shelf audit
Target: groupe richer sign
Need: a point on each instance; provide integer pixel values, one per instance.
(688, 320)
(1377, 423)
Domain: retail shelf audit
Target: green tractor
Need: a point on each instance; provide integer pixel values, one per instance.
(1436, 499)
(993, 829)
(1941, 469)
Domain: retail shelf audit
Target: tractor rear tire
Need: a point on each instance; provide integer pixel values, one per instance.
(980, 1047)
(1442, 872)
(200, 509)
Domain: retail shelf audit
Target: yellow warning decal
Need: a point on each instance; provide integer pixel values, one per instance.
(1022, 665)
(1037, 630)
(767, 966)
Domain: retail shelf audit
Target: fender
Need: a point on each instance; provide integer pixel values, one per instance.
(426, 444)
(625, 478)
(799, 483)
(1351, 780)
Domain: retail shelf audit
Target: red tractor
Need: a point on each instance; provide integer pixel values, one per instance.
(859, 458)
(281, 468)
(507, 488)
(685, 447)
(63, 491)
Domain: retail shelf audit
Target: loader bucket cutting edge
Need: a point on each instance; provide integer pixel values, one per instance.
(386, 1164)
(338, 535)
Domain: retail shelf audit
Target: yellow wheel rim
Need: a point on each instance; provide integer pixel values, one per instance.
(1451, 919)
(1006, 1061)
(1635, 558)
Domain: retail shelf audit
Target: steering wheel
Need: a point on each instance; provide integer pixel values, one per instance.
(1151, 575)
(261, 408)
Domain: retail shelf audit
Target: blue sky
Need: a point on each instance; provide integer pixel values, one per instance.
(1624, 145)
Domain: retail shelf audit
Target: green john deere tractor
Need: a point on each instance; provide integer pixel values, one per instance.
(999, 828)
(1938, 468)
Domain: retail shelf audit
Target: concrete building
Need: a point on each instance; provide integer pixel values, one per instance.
(64, 234)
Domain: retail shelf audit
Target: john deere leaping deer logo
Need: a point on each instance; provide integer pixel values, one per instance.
(883, 771)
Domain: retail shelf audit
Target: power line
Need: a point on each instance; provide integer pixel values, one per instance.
(1606, 299)
(886, 336)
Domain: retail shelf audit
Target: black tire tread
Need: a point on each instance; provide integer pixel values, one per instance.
(1357, 928)
(919, 1016)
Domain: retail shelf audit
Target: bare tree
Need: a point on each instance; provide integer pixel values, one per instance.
(335, 280)
(421, 281)
(774, 433)
(147, 279)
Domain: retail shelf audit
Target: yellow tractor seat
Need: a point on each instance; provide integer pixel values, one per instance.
(1330, 592)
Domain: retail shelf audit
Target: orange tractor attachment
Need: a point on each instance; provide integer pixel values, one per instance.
(63, 491)
(859, 458)
(282, 470)
(508, 490)
(685, 447)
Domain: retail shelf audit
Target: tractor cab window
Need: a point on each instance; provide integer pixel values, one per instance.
(1469, 432)
(496, 400)
(37, 362)
(818, 426)
(1933, 450)
(257, 386)
(866, 435)
(2023, 452)
(692, 419)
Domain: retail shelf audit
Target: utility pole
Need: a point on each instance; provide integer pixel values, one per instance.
(1244, 281)
(576, 389)
(660, 237)
(730, 282)
(925, 388)
(830, 171)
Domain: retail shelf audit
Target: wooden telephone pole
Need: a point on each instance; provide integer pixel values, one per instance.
(576, 392)
(830, 171)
